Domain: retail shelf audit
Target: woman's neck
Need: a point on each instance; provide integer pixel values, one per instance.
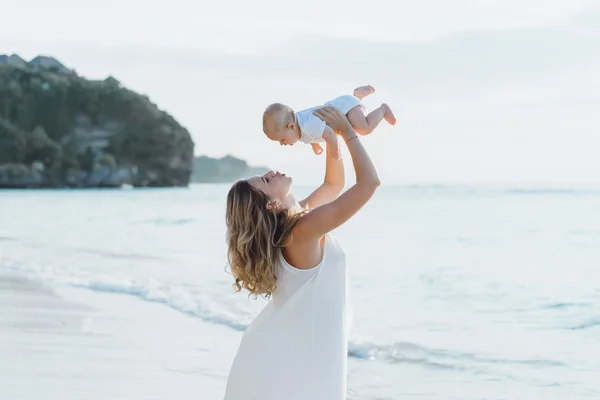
(295, 209)
(292, 206)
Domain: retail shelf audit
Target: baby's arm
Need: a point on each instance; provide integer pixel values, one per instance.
(317, 148)
(333, 147)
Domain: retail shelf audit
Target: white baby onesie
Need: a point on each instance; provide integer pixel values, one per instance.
(312, 127)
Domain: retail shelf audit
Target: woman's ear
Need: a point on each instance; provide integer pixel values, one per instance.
(273, 205)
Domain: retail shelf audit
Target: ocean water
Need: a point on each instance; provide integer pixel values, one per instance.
(459, 292)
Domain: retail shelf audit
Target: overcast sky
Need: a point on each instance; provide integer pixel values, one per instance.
(484, 91)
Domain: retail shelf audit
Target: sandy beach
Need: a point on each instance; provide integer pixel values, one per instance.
(73, 344)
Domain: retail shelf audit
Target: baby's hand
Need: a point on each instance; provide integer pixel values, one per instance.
(317, 148)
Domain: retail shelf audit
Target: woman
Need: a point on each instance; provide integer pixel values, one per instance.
(297, 346)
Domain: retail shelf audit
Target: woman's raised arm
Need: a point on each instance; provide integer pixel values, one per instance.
(329, 216)
(332, 186)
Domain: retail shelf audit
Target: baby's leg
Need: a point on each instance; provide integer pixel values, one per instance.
(364, 125)
(333, 146)
(363, 91)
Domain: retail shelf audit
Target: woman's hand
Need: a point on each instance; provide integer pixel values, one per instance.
(335, 119)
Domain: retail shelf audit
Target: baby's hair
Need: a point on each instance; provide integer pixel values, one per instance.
(282, 114)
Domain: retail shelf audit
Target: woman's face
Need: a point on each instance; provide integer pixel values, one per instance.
(274, 184)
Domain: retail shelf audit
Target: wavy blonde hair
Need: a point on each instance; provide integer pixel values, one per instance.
(255, 236)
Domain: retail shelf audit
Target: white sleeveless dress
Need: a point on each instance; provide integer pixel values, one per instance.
(297, 347)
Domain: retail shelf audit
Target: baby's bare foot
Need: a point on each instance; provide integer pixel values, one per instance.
(363, 91)
(388, 115)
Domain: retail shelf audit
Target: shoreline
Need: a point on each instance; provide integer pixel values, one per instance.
(59, 343)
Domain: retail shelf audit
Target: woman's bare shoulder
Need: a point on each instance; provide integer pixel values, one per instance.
(304, 252)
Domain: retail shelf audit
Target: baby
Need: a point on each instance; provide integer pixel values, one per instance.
(283, 125)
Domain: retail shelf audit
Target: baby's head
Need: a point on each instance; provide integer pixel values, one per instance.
(279, 124)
